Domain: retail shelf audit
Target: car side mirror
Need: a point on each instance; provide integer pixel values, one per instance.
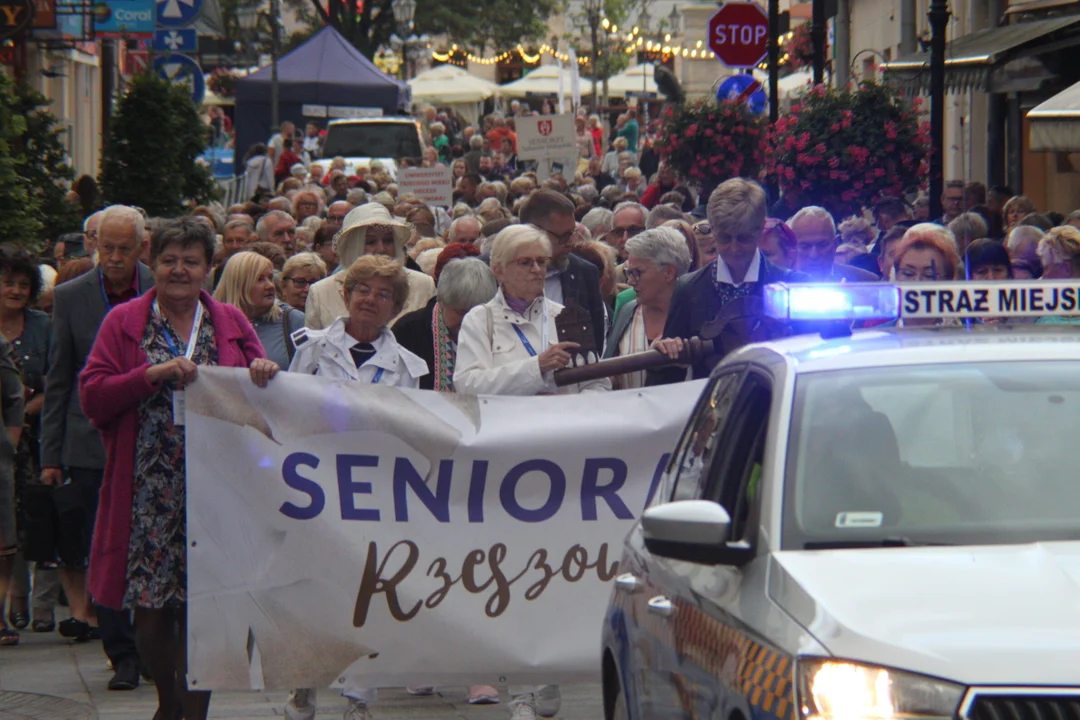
(692, 530)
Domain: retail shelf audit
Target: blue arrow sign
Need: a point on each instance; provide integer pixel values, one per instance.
(182, 70)
(176, 41)
(736, 87)
(177, 13)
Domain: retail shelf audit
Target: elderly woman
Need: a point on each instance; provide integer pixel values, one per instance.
(987, 259)
(248, 285)
(368, 230)
(13, 407)
(1016, 209)
(27, 330)
(299, 273)
(147, 351)
(658, 258)
(927, 253)
(1057, 249)
(359, 345)
(432, 333)
(1022, 242)
(509, 346)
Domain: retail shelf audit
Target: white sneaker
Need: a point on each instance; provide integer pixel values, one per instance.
(420, 690)
(523, 707)
(358, 710)
(301, 704)
(548, 701)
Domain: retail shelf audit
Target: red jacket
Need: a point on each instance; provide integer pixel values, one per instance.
(652, 195)
(111, 386)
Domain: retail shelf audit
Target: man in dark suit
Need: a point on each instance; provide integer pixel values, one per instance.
(815, 244)
(571, 281)
(70, 447)
(736, 213)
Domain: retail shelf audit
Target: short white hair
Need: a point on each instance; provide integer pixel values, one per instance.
(630, 205)
(465, 283)
(813, 212)
(504, 247)
(1020, 235)
(90, 219)
(125, 214)
(427, 259)
(662, 245)
(598, 221)
(455, 227)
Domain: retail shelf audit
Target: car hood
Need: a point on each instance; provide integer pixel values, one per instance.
(978, 615)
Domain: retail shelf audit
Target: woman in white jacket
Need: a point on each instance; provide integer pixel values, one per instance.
(510, 346)
(360, 346)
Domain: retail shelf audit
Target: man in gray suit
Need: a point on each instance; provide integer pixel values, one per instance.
(71, 449)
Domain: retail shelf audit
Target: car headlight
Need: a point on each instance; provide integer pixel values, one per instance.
(832, 689)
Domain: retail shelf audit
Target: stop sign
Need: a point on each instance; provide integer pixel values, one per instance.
(739, 34)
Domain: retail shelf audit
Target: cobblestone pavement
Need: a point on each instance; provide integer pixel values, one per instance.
(48, 678)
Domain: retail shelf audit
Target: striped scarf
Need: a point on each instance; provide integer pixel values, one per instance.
(445, 351)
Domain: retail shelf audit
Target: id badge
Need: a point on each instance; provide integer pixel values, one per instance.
(178, 407)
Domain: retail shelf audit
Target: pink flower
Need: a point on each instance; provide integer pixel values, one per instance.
(692, 130)
(834, 162)
(836, 127)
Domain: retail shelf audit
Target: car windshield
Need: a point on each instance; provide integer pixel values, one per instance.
(967, 454)
(376, 140)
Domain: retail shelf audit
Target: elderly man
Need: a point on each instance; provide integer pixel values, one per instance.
(1023, 244)
(736, 211)
(71, 448)
(570, 280)
(90, 234)
(335, 214)
(235, 236)
(815, 245)
(281, 204)
(279, 228)
(368, 230)
(466, 229)
(630, 219)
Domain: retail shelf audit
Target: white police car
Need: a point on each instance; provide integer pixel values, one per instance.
(884, 526)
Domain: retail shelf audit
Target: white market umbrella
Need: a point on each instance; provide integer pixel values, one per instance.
(449, 84)
(794, 84)
(544, 82)
(633, 80)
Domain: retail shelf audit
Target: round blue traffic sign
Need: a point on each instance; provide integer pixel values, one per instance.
(745, 87)
(182, 70)
(177, 13)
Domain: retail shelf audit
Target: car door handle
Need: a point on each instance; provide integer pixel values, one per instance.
(628, 583)
(661, 606)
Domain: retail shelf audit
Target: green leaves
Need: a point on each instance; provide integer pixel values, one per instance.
(155, 135)
(20, 191)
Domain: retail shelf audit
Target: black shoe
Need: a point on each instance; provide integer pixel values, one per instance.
(78, 630)
(144, 671)
(126, 676)
(43, 626)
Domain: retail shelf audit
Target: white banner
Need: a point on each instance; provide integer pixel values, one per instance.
(433, 185)
(347, 534)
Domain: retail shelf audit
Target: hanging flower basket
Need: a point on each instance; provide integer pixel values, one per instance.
(844, 149)
(222, 83)
(709, 142)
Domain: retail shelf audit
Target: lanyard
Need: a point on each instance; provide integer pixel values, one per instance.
(105, 295)
(524, 341)
(192, 341)
(378, 376)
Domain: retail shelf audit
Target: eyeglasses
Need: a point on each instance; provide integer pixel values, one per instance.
(633, 274)
(563, 238)
(365, 292)
(702, 228)
(630, 231)
(527, 263)
(913, 274)
(299, 283)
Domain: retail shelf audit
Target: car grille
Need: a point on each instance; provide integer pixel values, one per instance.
(1025, 707)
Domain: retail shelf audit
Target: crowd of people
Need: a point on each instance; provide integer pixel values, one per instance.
(344, 276)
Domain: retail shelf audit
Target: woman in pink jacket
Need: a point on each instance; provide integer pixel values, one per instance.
(131, 389)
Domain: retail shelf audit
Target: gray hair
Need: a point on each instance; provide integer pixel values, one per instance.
(630, 205)
(587, 192)
(662, 245)
(598, 221)
(813, 212)
(1020, 235)
(661, 214)
(125, 214)
(304, 261)
(451, 234)
(476, 142)
(355, 197)
(233, 224)
(89, 219)
(501, 191)
(969, 226)
(737, 206)
(505, 245)
(1074, 215)
(465, 283)
(427, 259)
(260, 228)
(437, 126)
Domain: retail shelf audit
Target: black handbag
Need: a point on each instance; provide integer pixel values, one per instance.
(39, 523)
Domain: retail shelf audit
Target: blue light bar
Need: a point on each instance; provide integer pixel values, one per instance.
(844, 301)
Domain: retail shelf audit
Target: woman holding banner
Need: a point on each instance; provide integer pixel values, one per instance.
(509, 346)
(132, 390)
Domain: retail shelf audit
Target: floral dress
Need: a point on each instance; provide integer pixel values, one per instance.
(157, 553)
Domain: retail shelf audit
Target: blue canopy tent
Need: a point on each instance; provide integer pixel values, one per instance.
(324, 78)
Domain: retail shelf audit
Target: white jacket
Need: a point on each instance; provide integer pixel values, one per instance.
(326, 353)
(499, 363)
(326, 301)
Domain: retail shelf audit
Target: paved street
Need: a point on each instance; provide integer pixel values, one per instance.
(46, 678)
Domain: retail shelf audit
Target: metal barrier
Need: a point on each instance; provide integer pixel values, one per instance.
(233, 190)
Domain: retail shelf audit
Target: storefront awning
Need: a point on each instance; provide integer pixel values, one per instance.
(970, 59)
(1055, 124)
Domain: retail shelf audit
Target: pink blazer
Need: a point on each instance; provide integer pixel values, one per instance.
(111, 386)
